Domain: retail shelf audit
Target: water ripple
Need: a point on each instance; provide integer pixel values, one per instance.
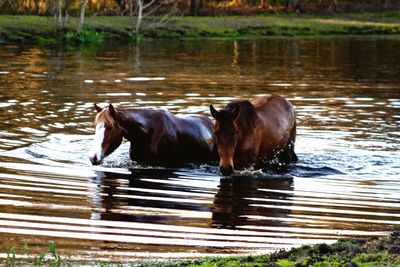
(345, 183)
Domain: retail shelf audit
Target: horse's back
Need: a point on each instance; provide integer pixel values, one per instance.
(195, 138)
(199, 127)
(275, 111)
(169, 139)
(273, 103)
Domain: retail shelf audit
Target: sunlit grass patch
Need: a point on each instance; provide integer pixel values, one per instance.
(359, 23)
(42, 29)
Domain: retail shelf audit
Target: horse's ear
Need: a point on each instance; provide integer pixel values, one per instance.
(98, 109)
(214, 112)
(113, 112)
(235, 112)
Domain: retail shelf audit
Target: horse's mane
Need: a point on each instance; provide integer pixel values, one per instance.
(104, 116)
(248, 115)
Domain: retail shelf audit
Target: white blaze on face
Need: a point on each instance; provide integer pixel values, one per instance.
(97, 150)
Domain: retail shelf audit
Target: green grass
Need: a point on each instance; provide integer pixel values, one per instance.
(40, 29)
(87, 36)
(278, 25)
(384, 251)
(49, 258)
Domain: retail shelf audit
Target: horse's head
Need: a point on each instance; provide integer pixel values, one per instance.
(225, 134)
(108, 134)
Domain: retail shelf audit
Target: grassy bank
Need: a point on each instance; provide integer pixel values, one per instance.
(384, 251)
(37, 29)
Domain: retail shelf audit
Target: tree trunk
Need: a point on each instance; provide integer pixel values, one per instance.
(194, 7)
(386, 5)
(131, 13)
(2, 3)
(67, 17)
(51, 9)
(333, 6)
(82, 16)
(139, 16)
(130, 9)
(292, 4)
(124, 6)
(264, 3)
(59, 13)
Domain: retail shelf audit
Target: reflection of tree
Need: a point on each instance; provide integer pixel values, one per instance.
(233, 202)
(137, 63)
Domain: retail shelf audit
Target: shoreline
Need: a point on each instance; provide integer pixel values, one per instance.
(42, 30)
(377, 251)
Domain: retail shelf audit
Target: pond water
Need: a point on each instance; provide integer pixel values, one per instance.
(346, 92)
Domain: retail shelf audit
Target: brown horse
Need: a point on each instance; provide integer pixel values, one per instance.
(255, 133)
(156, 136)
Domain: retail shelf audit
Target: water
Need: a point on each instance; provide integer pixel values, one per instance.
(346, 184)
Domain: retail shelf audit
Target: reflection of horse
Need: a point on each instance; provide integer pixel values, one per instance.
(143, 196)
(245, 200)
(255, 132)
(156, 136)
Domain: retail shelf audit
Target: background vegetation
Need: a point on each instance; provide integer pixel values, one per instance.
(193, 7)
(64, 20)
(135, 18)
(41, 29)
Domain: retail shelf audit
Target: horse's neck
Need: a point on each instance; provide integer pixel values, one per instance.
(248, 137)
(134, 122)
(246, 127)
(134, 116)
(140, 123)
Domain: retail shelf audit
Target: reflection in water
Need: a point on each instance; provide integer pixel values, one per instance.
(133, 197)
(235, 202)
(345, 184)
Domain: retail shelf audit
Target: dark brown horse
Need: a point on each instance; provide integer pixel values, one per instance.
(156, 136)
(255, 133)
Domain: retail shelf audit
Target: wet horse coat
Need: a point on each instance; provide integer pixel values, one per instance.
(156, 136)
(255, 132)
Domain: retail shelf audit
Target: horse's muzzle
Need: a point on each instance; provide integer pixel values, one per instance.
(226, 170)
